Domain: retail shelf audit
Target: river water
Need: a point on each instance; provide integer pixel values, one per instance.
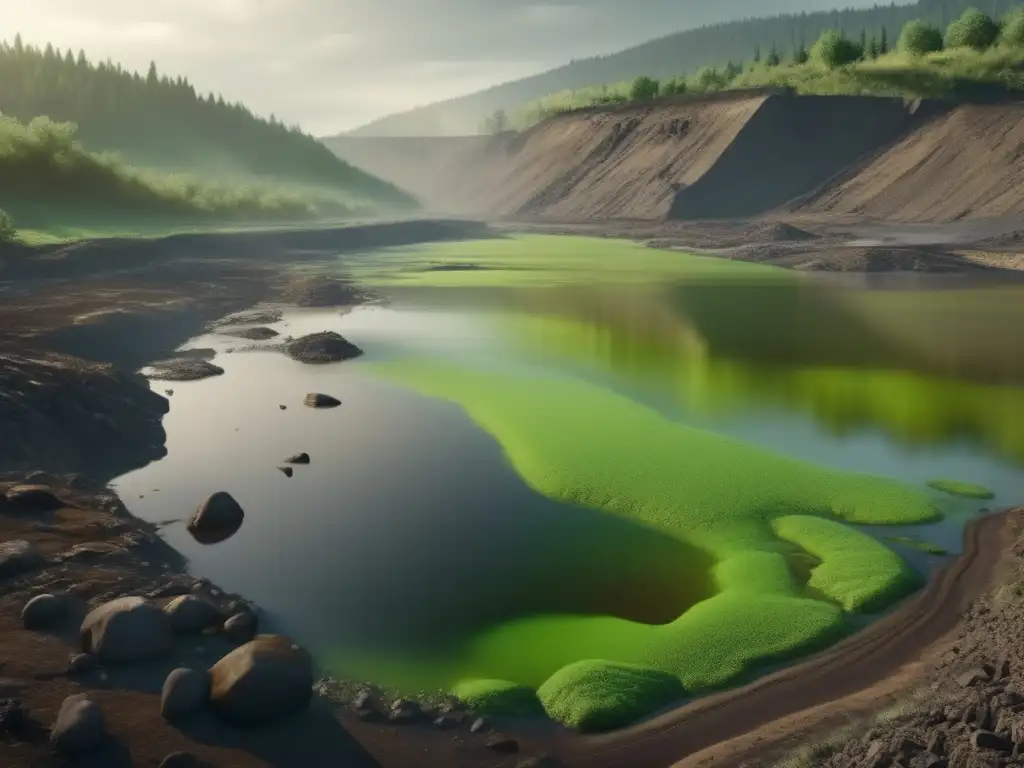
(409, 531)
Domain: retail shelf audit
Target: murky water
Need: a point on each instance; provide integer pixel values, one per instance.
(409, 531)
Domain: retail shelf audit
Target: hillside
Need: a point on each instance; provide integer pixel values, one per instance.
(964, 164)
(159, 122)
(669, 56)
(730, 154)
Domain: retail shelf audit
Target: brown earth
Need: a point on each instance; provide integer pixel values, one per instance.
(966, 163)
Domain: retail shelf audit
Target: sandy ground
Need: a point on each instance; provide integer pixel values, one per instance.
(123, 308)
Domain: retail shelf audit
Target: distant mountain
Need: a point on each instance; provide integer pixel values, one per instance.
(675, 54)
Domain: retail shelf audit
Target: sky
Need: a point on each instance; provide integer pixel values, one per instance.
(333, 65)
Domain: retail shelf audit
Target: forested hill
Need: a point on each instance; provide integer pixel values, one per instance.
(676, 54)
(159, 122)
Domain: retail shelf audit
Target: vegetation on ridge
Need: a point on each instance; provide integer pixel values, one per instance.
(155, 121)
(974, 52)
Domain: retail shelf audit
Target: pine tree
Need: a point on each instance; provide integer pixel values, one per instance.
(863, 43)
(883, 45)
(773, 57)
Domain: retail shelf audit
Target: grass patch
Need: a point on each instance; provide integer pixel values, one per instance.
(541, 260)
(602, 695)
(585, 445)
(923, 546)
(961, 488)
(498, 697)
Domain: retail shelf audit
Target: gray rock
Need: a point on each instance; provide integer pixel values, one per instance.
(263, 680)
(80, 728)
(81, 663)
(298, 458)
(180, 760)
(286, 471)
(126, 629)
(362, 700)
(257, 333)
(242, 627)
(320, 400)
(18, 557)
(480, 725)
(185, 691)
(323, 347)
(933, 761)
(972, 676)
(33, 498)
(183, 369)
(989, 740)
(445, 722)
(218, 518)
(44, 612)
(190, 615)
(404, 711)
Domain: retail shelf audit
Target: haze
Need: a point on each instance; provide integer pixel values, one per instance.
(334, 65)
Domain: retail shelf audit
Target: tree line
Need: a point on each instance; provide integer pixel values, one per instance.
(160, 121)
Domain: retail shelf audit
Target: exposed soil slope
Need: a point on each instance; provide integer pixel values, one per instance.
(731, 154)
(965, 163)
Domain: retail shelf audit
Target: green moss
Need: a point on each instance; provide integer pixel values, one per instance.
(547, 260)
(585, 445)
(961, 488)
(603, 695)
(497, 697)
(855, 570)
(923, 546)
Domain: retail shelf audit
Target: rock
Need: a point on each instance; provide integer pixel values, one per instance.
(180, 760)
(934, 761)
(80, 728)
(936, 743)
(972, 676)
(405, 711)
(169, 392)
(257, 333)
(18, 557)
(80, 663)
(44, 612)
(283, 407)
(218, 518)
(320, 400)
(126, 629)
(362, 700)
(479, 725)
(14, 719)
(287, 471)
(323, 347)
(989, 740)
(185, 691)
(265, 679)
(183, 369)
(33, 498)
(242, 627)
(298, 458)
(445, 722)
(503, 745)
(190, 615)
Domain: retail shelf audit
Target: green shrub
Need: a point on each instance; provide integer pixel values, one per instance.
(973, 29)
(918, 38)
(674, 86)
(833, 50)
(644, 89)
(8, 232)
(709, 79)
(1013, 28)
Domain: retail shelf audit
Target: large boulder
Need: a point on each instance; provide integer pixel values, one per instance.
(190, 615)
(126, 629)
(33, 498)
(44, 612)
(80, 728)
(18, 557)
(218, 518)
(265, 679)
(185, 692)
(323, 347)
(242, 627)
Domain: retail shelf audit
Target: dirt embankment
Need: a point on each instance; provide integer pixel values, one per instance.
(733, 154)
(966, 163)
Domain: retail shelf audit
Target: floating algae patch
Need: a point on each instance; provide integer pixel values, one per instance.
(597, 695)
(961, 488)
(576, 442)
(498, 697)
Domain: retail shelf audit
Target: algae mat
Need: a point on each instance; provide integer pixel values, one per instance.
(742, 506)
